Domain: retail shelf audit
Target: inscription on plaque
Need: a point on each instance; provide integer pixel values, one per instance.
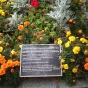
(40, 60)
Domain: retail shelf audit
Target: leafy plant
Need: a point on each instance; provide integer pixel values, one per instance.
(37, 28)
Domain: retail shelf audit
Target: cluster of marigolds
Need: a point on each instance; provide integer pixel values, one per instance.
(4, 63)
(24, 29)
(3, 7)
(76, 45)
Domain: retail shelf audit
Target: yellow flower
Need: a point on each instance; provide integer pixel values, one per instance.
(68, 33)
(1, 49)
(75, 70)
(12, 3)
(62, 60)
(2, 0)
(72, 38)
(13, 52)
(3, 13)
(83, 40)
(65, 66)
(67, 44)
(1, 42)
(59, 41)
(76, 49)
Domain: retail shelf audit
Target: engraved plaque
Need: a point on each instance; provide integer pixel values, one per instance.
(40, 60)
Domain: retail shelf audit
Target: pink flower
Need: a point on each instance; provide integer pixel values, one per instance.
(34, 3)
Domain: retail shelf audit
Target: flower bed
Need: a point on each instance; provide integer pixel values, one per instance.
(38, 28)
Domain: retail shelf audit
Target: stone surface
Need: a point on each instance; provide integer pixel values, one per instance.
(51, 82)
(79, 84)
(38, 83)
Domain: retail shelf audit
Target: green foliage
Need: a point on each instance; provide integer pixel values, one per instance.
(10, 80)
(40, 28)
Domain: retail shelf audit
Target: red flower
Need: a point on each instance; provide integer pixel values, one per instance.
(34, 3)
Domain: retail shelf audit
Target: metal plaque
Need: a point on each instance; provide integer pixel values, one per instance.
(40, 60)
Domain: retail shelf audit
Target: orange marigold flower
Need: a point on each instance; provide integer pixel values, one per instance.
(86, 66)
(70, 20)
(4, 66)
(13, 64)
(2, 59)
(20, 27)
(34, 34)
(12, 70)
(86, 60)
(80, 31)
(26, 23)
(2, 71)
(16, 63)
(9, 63)
(7, 44)
(19, 37)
